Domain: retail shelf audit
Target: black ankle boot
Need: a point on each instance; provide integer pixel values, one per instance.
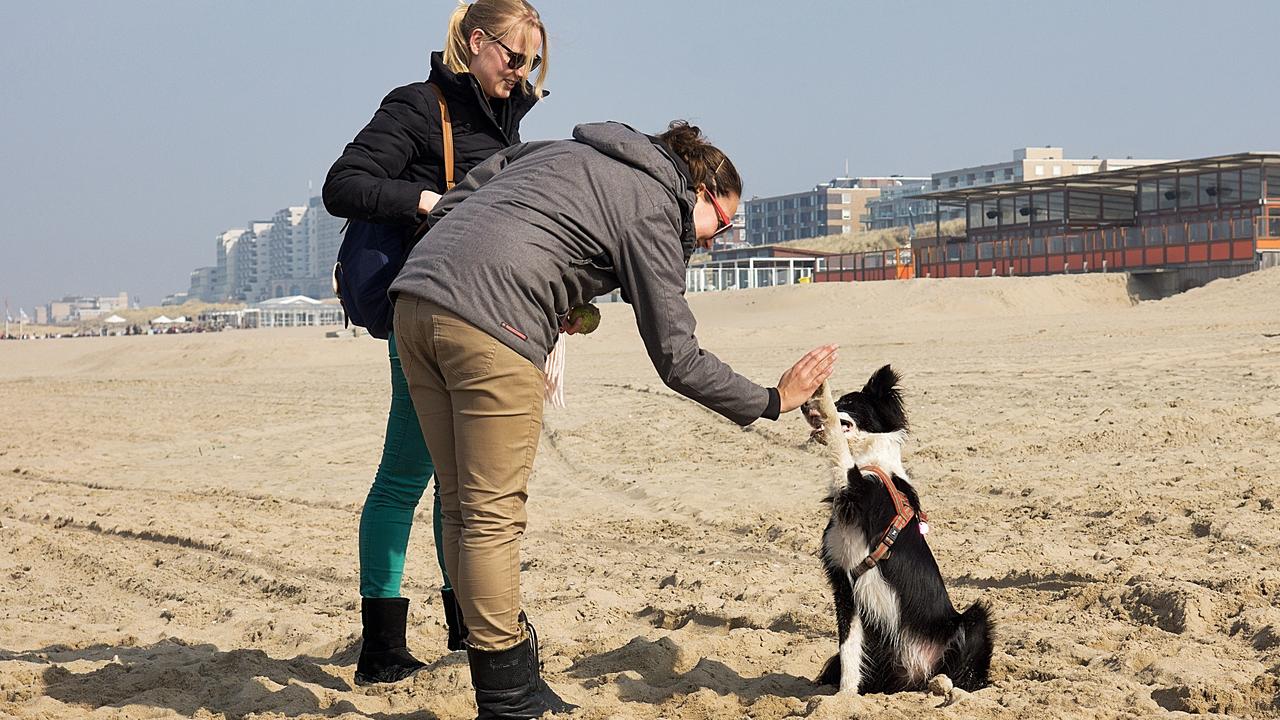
(384, 657)
(509, 684)
(453, 619)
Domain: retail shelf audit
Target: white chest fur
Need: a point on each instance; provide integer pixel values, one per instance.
(877, 603)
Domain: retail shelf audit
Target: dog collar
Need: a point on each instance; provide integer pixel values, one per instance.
(902, 517)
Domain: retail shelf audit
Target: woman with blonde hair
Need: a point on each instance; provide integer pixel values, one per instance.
(392, 174)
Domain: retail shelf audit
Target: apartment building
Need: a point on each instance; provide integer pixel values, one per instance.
(1029, 163)
(291, 254)
(831, 208)
(899, 206)
(75, 308)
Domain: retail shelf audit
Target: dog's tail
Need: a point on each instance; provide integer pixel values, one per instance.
(967, 660)
(831, 430)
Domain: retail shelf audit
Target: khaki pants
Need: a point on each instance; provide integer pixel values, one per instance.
(480, 407)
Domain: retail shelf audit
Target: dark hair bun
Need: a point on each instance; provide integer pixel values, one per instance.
(684, 138)
(707, 164)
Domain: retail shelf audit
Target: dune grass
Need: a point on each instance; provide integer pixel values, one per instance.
(872, 239)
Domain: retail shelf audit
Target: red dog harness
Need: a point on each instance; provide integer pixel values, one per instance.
(900, 520)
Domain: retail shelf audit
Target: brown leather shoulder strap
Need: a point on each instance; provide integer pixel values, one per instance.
(900, 504)
(903, 513)
(446, 127)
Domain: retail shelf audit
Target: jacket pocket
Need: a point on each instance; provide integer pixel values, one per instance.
(599, 262)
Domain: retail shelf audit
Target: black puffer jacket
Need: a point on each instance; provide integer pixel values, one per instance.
(400, 153)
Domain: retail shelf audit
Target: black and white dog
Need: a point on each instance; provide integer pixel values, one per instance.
(897, 626)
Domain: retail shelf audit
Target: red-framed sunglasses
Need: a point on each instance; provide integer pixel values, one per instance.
(726, 222)
(516, 60)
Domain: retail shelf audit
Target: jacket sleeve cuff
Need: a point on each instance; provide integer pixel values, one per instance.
(399, 202)
(774, 408)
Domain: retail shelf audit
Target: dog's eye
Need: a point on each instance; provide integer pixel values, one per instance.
(846, 424)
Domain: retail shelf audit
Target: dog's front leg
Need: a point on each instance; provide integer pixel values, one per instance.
(851, 657)
(849, 629)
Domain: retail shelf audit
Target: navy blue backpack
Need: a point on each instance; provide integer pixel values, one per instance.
(372, 254)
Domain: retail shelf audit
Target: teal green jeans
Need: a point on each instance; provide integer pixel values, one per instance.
(403, 474)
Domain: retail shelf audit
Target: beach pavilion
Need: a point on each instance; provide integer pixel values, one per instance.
(298, 311)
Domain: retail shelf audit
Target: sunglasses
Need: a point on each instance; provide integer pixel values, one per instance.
(726, 222)
(516, 60)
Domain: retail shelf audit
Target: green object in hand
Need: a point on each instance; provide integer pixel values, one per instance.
(589, 315)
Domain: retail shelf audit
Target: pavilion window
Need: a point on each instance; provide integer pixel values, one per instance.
(1117, 207)
(1083, 205)
(977, 216)
(1250, 184)
(1167, 194)
(1007, 211)
(1148, 192)
(1055, 207)
(1022, 210)
(1039, 208)
(1188, 195)
(1273, 180)
(1229, 187)
(1208, 189)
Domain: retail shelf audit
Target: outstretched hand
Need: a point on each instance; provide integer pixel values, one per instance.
(800, 382)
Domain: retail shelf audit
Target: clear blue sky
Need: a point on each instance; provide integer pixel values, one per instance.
(132, 132)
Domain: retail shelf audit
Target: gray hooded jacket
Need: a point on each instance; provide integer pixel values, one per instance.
(541, 227)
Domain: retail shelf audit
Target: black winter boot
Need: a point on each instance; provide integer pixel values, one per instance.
(384, 657)
(509, 684)
(453, 619)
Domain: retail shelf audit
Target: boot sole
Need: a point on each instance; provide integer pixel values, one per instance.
(363, 680)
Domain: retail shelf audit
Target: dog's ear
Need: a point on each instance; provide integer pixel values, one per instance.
(853, 477)
(857, 479)
(883, 382)
(885, 395)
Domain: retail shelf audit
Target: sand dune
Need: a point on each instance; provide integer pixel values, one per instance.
(177, 529)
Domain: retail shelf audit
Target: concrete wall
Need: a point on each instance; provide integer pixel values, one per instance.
(1162, 284)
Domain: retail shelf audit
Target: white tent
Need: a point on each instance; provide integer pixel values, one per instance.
(180, 319)
(115, 320)
(162, 320)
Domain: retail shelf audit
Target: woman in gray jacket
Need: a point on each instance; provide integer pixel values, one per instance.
(532, 232)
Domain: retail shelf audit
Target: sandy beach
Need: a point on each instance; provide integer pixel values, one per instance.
(179, 514)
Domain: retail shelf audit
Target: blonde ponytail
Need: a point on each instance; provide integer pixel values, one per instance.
(457, 51)
(498, 18)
